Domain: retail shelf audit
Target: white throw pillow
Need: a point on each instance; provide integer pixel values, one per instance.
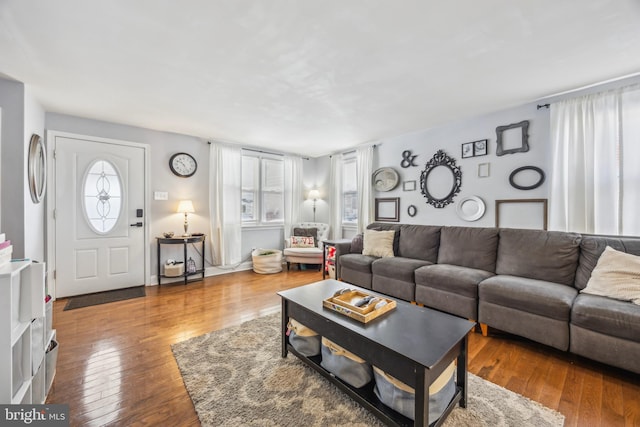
(302, 242)
(378, 243)
(616, 275)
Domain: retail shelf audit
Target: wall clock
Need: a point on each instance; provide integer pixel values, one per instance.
(183, 165)
(37, 168)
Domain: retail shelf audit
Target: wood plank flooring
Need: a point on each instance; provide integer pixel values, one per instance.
(115, 365)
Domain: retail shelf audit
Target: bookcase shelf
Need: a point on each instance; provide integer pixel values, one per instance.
(23, 336)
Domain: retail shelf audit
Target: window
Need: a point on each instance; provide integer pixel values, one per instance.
(262, 190)
(349, 191)
(102, 196)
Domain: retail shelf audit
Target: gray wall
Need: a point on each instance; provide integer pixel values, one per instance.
(163, 216)
(449, 138)
(21, 220)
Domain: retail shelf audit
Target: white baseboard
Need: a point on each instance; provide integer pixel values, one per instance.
(209, 271)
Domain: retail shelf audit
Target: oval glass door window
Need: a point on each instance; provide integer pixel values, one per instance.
(102, 196)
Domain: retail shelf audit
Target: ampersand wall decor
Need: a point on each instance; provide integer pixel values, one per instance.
(408, 159)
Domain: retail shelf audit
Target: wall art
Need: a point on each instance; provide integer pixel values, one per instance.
(385, 179)
(515, 135)
(474, 148)
(536, 184)
(409, 186)
(522, 213)
(387, 209)
(440, 180)
(408, 159)
(412, 210)
(483, 170)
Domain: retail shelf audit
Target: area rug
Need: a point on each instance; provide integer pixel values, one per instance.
(104, 297)
(236, 377)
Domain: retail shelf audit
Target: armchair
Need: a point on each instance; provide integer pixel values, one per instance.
(308, 255)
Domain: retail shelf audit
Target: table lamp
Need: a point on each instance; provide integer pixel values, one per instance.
(186, 207)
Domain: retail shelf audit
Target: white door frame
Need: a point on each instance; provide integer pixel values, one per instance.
(51, 197)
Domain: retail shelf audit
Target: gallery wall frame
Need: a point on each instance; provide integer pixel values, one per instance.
(409, 186)
(535, 207)
(524, 135)
(387, 209)
(474, 148)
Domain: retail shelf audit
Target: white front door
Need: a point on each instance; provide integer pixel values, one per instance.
(99, 215)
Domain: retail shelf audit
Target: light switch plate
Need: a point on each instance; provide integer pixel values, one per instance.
(160, 195)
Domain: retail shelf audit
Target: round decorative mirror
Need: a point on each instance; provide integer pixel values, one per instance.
(440, 180)
(37, 168)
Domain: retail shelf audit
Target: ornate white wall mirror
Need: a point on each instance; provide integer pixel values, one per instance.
(37, 168)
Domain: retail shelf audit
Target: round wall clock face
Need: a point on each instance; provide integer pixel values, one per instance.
(183, 164)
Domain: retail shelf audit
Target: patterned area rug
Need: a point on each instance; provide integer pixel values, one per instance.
(236, 377)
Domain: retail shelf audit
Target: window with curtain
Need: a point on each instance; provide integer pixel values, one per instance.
(349, 191)
(596, 141)
(262, 190)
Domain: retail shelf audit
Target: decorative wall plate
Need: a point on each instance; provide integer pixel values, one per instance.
(385, 179)
(470, 208)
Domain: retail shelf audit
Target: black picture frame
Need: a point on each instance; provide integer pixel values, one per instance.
(441, 159)
(480, 147)
(387, 209)
(467, 150)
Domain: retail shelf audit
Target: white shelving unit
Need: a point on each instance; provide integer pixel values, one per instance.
(24, 335)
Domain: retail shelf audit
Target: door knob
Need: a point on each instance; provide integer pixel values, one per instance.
(136, 224)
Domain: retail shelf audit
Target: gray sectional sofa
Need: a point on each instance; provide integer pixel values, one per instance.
(525, 282)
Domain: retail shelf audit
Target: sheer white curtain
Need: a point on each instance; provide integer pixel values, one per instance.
(225, 204)
(364, 167)
(335, 199)
(595, 142)
(292, 192)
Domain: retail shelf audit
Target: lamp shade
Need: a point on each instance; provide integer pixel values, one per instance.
(185, 206)
(314, 194)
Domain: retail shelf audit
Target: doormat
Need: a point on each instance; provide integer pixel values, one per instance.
(104, 297)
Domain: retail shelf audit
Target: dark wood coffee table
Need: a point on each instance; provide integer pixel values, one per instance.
(413, 344)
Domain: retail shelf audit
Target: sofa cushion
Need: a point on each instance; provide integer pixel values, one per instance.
(419, 242)
(397, 268)
(382, 226)
(592, 246)
(550, 256)
(357, 244)
(471, 247)
(530, 295)
(357, 262)
(451, 278)
(607, 316)
(617, 276)
(378, 243)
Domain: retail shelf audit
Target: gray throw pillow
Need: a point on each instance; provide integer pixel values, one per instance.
(357, 243)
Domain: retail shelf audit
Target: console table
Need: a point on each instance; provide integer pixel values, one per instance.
(185, 242)
(326, 244)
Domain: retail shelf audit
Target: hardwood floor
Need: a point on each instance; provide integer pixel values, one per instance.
(115, 365)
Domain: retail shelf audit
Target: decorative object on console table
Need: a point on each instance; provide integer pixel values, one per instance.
(186, 207)
(184, 241)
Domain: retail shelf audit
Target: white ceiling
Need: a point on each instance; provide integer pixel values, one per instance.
(309, 77)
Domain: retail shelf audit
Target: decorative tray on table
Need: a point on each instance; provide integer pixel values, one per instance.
(358, 305)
